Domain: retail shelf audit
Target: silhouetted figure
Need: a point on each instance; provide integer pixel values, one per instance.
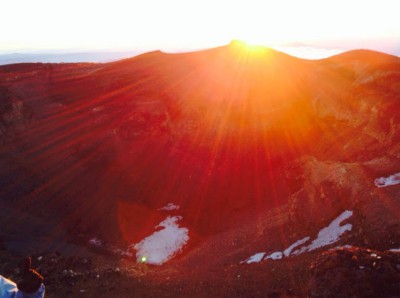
(30, 286)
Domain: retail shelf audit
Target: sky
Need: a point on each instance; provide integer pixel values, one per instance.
(174, 25)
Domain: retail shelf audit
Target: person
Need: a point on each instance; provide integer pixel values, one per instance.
(30, 286)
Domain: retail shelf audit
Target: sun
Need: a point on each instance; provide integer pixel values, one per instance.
(253, 47)
(247, 48)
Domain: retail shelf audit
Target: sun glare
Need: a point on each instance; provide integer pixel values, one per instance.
(250, 49)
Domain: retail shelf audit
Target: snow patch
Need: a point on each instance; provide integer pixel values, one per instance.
(387, 181)
(326, 236)
(395, 249)
(162, 245)
(275, 256)
(255, 258)
(288, 250)
(157, 248)
(169, 207)
(330, 234)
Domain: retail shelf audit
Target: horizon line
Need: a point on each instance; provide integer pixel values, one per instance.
(300, 50)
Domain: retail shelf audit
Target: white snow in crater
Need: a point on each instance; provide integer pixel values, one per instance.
(275, 256)
(330, 234)
(162, 245)
(387, 181)
(169, 207)
(288, 250)
(395, 249)
(255, 258)
(326, 236)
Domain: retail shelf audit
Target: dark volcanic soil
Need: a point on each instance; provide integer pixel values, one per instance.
(349, 272)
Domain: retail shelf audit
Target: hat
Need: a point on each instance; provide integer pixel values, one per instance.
(31, 279)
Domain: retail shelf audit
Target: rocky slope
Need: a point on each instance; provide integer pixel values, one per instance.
(249, 151)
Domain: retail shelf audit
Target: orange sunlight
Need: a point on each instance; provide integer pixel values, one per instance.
(248, 48)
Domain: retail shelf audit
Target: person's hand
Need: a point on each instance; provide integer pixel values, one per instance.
(31, 280)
